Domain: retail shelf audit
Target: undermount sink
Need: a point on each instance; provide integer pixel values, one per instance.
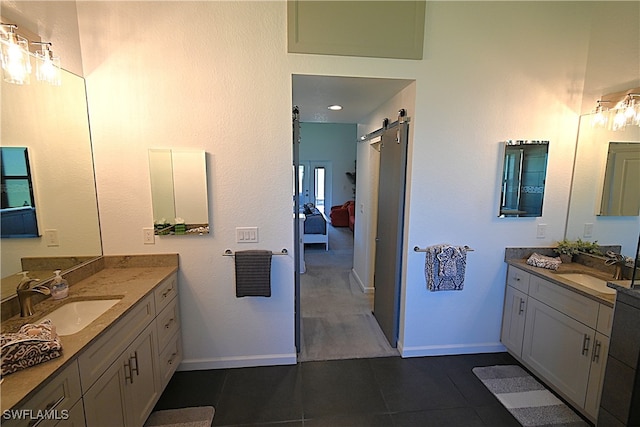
(74, 316)
(589, 282)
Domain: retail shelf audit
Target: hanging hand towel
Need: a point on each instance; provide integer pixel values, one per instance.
(253, 273)
(444, 267)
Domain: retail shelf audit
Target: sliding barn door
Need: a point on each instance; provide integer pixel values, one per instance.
(388, 260)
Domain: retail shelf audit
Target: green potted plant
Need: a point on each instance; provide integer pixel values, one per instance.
(568, 248)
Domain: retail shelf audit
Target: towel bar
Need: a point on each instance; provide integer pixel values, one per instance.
(229, 252)
(417, 249)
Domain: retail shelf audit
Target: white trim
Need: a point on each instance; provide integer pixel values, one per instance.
(363, 288)
(451, 349)
(238, 362)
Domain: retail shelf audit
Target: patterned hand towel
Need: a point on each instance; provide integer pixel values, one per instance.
(444, 267)
(31, 345)
(253, 273)
(537, 260)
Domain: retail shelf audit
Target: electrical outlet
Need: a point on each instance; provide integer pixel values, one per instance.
(51, 237)
(588, 230)
(542, 231)
(148, 237)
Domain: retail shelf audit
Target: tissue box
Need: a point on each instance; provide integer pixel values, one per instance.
(31, 345)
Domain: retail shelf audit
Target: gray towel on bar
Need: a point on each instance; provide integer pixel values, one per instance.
(253, 273)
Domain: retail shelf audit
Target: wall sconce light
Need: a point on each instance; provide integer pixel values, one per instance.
(599, 117)
(47, 65)
(625, 113)
(16, 66)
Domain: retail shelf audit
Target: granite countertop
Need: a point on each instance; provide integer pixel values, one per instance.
(624, 286)
(573, 267)
(120, 279)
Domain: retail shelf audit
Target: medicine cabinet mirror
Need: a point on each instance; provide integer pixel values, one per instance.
(621, 187)
(18, 210)
(53, 123)
(179, 191)
(524, 171)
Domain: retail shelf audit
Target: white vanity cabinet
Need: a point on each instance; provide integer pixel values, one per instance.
(515, 308)
(122, 390)
(560, 335)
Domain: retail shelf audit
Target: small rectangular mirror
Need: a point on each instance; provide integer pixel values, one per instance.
(524, 170)
(18, 211)
(621, 187)
(179, 191)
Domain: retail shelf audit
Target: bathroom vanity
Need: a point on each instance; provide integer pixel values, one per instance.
(559, 329)
(113, 371)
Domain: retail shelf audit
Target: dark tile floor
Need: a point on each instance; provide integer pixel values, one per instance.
(425, 391)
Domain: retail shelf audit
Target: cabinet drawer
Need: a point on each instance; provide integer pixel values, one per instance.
(605, 320)
(571, 303)
(106, 349)
(170, 358)
(168, 323)
(57, 397)
(165, 292)
(519, 279)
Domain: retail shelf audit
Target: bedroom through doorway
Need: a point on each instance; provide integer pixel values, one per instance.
(333, 310)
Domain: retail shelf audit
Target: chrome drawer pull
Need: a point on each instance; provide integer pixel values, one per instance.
(585, 344)
(168, 324)
(521, 309)
(596, 351)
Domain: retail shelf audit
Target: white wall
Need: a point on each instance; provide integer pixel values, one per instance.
(216, 76)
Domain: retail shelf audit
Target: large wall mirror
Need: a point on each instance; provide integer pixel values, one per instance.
(604, 168)
(51, 122)
(179, 191)
(524, 172)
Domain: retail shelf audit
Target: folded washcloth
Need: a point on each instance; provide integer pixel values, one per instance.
(253, 273)
(537, 260)
(31, 345)
(445, 267)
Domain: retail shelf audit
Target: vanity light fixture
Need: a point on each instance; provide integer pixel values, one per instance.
(47, 65)
(625, 113)
(16, 66)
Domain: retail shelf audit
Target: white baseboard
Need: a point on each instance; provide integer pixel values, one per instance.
(452, 349)
(363, 288)
(238, 362)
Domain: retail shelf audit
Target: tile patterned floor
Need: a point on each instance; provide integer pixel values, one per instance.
(391, 391)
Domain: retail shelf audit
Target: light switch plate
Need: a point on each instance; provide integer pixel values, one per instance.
(148, 237)
(246, 234)
(588, 230)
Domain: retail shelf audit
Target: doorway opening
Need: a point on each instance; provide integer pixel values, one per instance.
(334, 302)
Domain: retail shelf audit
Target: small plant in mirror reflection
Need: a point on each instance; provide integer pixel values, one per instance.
(573, 247)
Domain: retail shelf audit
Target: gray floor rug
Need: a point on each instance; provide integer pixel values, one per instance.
(336, 315)
(527, 400)
(200, 416)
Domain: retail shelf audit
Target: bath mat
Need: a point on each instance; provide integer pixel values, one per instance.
(527, 400)
(200, 416)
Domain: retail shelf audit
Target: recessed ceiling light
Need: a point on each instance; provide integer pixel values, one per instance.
(335, 107)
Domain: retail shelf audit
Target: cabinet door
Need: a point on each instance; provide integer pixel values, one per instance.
(596, 375)
(140, 362)
(513, 320)
(559, 349)
(105, 401)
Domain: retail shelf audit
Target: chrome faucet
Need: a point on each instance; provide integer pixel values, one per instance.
(617, 260)
(25, 292)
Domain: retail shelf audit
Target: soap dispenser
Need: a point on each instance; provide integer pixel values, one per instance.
(59, 286)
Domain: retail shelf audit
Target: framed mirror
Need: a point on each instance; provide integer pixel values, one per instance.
(585, 219)
(524, 172)
(179, 191)
(52, 123)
